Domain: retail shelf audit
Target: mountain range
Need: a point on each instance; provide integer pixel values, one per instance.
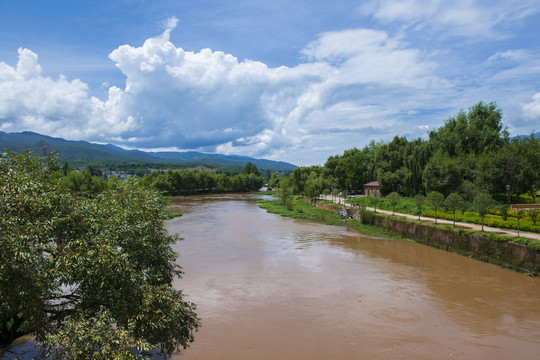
(69, 150)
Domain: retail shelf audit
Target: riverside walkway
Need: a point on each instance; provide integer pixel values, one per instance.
(463, 225)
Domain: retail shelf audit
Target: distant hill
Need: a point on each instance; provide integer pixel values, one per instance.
(536, 136)
(69, 150)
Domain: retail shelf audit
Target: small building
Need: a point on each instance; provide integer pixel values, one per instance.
(372, 189)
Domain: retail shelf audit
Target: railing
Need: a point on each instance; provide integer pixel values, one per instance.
(514, 207)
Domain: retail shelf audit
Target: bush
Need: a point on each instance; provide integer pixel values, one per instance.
(367, 217)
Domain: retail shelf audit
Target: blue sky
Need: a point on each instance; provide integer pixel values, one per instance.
(296, 81)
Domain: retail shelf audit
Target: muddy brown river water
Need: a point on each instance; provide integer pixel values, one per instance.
(269, 287)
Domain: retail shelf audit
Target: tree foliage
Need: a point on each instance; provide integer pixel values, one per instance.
(419, 200)
(89, 276)
(188, 182)
(482, 202)
(454, 202)
(471, 151)
(436, 199)
(393, 198)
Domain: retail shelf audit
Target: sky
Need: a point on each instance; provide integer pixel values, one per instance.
(294, 81)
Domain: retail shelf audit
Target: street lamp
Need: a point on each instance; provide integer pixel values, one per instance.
(508, 195)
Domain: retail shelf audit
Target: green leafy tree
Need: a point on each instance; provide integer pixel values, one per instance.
(443, 173)
(250, 168)
(84, 182)
(335, 193)
(375, 200)
(345, 195)
(393, 198)
(274, 181)
(223, 183)
(90, 277)
(284, 189)
(436, 199)
(519, 215)
(478, 131)
(326, 192)
(529, 171)
(454, 202)
(503, 209)
(533, 215)
(419, 200)
(315, 185)
(481, 203)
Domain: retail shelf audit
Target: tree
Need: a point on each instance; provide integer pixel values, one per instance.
(375, 200)
(481, 203)
(274, 181)
(250, 168)
(419, 200)
(454, 202)
(529, 172)
(436, 199)
(326, 192)
(443, 173)
(533, 215)
(345, 195)
(478, 131)
(393, 198)
(314, 186)
(519, 215)
(90, 277)
(223, 183)
(335, 193)
(284, 189)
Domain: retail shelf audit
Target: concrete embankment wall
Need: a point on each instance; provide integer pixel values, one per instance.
(482, 246)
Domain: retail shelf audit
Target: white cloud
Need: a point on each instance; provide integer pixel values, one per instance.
(352, 86)
(474, 19)
(208, 100)
(531, 110)
(30, 101)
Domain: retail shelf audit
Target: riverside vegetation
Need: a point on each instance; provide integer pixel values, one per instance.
(468, 170)
(488, 247)
(88, 273)
(471, 153)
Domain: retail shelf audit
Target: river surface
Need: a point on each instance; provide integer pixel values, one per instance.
(269, 287)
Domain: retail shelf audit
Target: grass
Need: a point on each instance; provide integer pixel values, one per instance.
(172, 214)
(298, 209)
(301, 210)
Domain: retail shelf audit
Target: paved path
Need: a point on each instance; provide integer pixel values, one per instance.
(470, 226)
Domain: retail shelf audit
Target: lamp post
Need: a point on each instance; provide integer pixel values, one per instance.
(508, 195)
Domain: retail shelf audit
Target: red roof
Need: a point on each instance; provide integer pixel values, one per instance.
(372, 184)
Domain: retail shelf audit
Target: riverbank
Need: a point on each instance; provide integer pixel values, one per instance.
(330, 216)
(487, 247)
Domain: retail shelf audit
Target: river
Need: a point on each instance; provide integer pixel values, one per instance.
(269, 287)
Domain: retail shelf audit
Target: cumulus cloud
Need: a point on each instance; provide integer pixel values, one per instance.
(210, 100)
(30, 101)
(352, 82)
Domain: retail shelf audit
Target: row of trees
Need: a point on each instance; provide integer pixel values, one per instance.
(88, 273)
(171, 182)
(470, 153)
(191, 182)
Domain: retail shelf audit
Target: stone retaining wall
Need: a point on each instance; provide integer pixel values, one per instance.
(483, 246)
